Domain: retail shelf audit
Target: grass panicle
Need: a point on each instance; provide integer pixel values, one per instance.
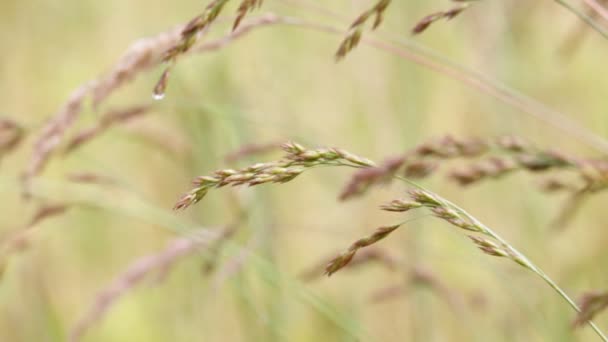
(355, 31)
(192, 31)
(296, 160)
(491, 159)
(425, 22)
(366, 256)
(345, 258)
(245, 7)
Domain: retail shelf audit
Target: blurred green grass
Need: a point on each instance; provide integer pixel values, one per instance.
(276, 84)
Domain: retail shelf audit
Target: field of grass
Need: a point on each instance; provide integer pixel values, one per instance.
(91, 248)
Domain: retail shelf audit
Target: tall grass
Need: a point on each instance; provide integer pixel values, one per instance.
(97, 178)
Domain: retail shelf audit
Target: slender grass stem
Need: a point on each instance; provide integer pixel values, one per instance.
(587, 19)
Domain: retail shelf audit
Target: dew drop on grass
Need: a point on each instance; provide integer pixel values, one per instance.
(161, 85)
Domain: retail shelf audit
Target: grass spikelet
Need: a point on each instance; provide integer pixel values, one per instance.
(369, 255)
(423, 24)
(296, 160)
(356, 28)
(344, 258)
(419, 162)
(188, 37)
(190, 34)
(591, 304)
(245, 7)
(400, 205)
(11, 134)
(365, 178)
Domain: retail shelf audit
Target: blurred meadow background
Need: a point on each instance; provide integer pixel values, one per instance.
(100, 209)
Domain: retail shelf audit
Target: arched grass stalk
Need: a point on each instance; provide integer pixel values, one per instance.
(455, 215)
(298, 159)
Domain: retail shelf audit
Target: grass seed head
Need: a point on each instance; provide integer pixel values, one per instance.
(344, 258)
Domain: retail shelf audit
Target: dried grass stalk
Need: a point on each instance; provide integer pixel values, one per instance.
(136, 273)
(140, 56)
(52, 133)
(109, 119)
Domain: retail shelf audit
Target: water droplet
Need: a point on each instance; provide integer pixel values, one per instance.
(161, 85)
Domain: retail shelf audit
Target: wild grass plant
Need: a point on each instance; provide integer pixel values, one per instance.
(88, 183)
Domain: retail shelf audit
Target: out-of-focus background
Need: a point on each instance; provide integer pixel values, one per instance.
(282, 83)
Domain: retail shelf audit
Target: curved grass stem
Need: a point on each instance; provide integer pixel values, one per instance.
(582, 16)
(516, 255)
(519, 257)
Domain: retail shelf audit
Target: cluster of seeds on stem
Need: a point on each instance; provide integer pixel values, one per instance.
(441, 209)
(423, 24)
(483, 160)
(245, 7)
(296, 160)
(191, 31)
(367, 256)
(344, 258)
(418, 162)
(356, 28)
